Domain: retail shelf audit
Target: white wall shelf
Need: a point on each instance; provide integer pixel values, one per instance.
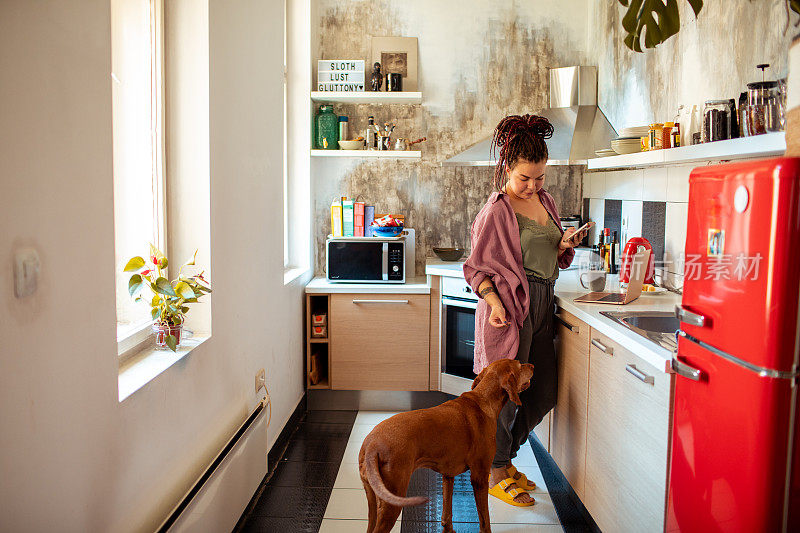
(377, 154)
(768, 145)
(367, 97)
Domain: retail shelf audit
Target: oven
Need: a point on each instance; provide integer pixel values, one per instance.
(458, 307)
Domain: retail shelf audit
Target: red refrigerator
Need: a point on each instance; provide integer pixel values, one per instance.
(735, 442)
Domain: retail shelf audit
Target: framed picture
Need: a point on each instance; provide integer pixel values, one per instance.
(399, 55)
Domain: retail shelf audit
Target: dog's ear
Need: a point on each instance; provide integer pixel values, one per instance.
(510, 384)
(478, 378)
(525, 375)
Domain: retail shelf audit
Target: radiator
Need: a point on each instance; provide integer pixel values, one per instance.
(220, 495)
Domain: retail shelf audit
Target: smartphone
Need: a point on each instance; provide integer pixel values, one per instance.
(584, 227)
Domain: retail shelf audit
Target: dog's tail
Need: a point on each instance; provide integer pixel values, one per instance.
(376, 482)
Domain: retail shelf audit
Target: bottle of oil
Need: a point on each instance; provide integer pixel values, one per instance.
(607, 249)
(614, 253)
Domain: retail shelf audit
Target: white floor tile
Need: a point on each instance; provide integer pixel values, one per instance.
(348, 504)
(360, 431)
(373, 417)
(330, 525)
(542, 512)
(351, 451)
(348, 477)
(522, 528)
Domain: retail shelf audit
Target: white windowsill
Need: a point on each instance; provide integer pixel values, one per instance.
(138, 369)
(291, 273)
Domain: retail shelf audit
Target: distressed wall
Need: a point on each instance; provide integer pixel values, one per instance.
(713, 56)
(478, 61)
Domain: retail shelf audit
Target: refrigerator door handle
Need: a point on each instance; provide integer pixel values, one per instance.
(689, 317)
(687, 371)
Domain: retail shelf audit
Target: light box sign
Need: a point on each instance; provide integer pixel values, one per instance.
(346, 75)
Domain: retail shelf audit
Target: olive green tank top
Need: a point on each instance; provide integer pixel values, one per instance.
(539, 247)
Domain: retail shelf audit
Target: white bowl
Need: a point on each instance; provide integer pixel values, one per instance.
(351, 145)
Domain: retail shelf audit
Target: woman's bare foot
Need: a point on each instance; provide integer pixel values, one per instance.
(499, 474)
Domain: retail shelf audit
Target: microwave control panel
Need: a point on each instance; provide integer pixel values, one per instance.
(395, 262)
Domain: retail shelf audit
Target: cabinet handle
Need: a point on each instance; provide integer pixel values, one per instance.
(602, 347)
(641, 376)
(573, 329)
(380, 301)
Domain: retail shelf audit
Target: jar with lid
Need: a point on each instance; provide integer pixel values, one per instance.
(762, 104)
(716, 123)
(327, 126)
(654, 136)
(666, 135)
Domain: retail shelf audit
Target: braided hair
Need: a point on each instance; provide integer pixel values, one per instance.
(519, 136)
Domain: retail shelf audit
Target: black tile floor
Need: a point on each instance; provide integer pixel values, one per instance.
(297, 490)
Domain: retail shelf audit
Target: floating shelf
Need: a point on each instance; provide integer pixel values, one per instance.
(367, 97)
(767, 145)
(385, 154)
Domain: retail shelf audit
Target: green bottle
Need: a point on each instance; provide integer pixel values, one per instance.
(327, 125)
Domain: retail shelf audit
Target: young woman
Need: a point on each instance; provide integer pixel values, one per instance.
(518, 246)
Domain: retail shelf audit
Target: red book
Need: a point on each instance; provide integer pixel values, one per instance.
(358, 219)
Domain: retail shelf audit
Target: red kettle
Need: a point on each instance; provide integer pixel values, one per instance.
(632, 247)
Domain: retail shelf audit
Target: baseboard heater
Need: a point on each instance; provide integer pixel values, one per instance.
(218, 498)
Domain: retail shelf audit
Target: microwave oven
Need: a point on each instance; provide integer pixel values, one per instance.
(370, 259)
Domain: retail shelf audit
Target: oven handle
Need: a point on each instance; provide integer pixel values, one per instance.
(457, 302)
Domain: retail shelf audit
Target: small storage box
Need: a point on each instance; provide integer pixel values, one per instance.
(320, 319)
(319, 331)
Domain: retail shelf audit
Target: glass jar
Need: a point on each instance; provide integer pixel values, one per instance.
(654, 136)
(716, 122)
(327, 126)
(666, 135)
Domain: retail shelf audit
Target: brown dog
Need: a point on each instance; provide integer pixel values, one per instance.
(451, 438)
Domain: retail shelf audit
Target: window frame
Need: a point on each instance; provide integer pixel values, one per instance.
(132, 337)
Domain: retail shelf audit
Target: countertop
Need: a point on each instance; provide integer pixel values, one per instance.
(320, 285)
(568, 288)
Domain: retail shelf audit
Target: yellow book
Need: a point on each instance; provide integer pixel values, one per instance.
(336, 219)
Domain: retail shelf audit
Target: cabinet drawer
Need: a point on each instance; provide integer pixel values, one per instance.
(572, 331)
(379, 341)
(627, 439)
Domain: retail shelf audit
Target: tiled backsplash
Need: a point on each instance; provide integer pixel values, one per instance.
(651, 203)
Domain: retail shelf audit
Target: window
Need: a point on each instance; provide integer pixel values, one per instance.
(137, 57)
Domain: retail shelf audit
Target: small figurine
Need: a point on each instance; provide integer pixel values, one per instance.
(376, 80)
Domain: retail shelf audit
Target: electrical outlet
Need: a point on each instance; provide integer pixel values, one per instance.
(261, 380)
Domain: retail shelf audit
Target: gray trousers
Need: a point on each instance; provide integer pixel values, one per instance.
(536, 346)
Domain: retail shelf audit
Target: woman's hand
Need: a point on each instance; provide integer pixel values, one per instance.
(497, 318)
(571, 238)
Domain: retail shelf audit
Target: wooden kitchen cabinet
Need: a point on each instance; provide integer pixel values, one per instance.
(379, 341)
(569, 417)
(627, 439)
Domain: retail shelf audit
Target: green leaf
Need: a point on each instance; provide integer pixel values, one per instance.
(192, 260)
(164, 287)
(184, 290)
(156, 300)
(172, 342)
(652, 19)
(134, 264)
(190, 300)
(697, 5)
(155, 312)
(184, 309)
(162, 262)
(134, 284)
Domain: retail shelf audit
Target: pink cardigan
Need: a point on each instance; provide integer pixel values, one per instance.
(497, 254)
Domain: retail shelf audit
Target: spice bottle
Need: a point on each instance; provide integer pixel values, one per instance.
(666, 135)
(676, 135)
(369, 134)
(343, 121)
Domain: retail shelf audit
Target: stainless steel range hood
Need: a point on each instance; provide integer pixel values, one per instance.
(580, 126)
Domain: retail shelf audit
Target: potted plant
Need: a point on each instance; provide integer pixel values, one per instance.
(170, 300)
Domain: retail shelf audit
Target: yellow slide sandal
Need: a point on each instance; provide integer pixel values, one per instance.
(503, 491)
(521, 481)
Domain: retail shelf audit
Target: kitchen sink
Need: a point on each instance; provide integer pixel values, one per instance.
(656, 326)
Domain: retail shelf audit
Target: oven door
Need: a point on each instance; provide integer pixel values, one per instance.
(458, 344)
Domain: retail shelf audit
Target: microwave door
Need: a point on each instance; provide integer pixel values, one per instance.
(357, 261)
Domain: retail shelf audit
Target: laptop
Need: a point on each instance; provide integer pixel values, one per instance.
(632, 291)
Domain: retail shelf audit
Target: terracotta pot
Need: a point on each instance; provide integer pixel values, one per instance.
(162, 332)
